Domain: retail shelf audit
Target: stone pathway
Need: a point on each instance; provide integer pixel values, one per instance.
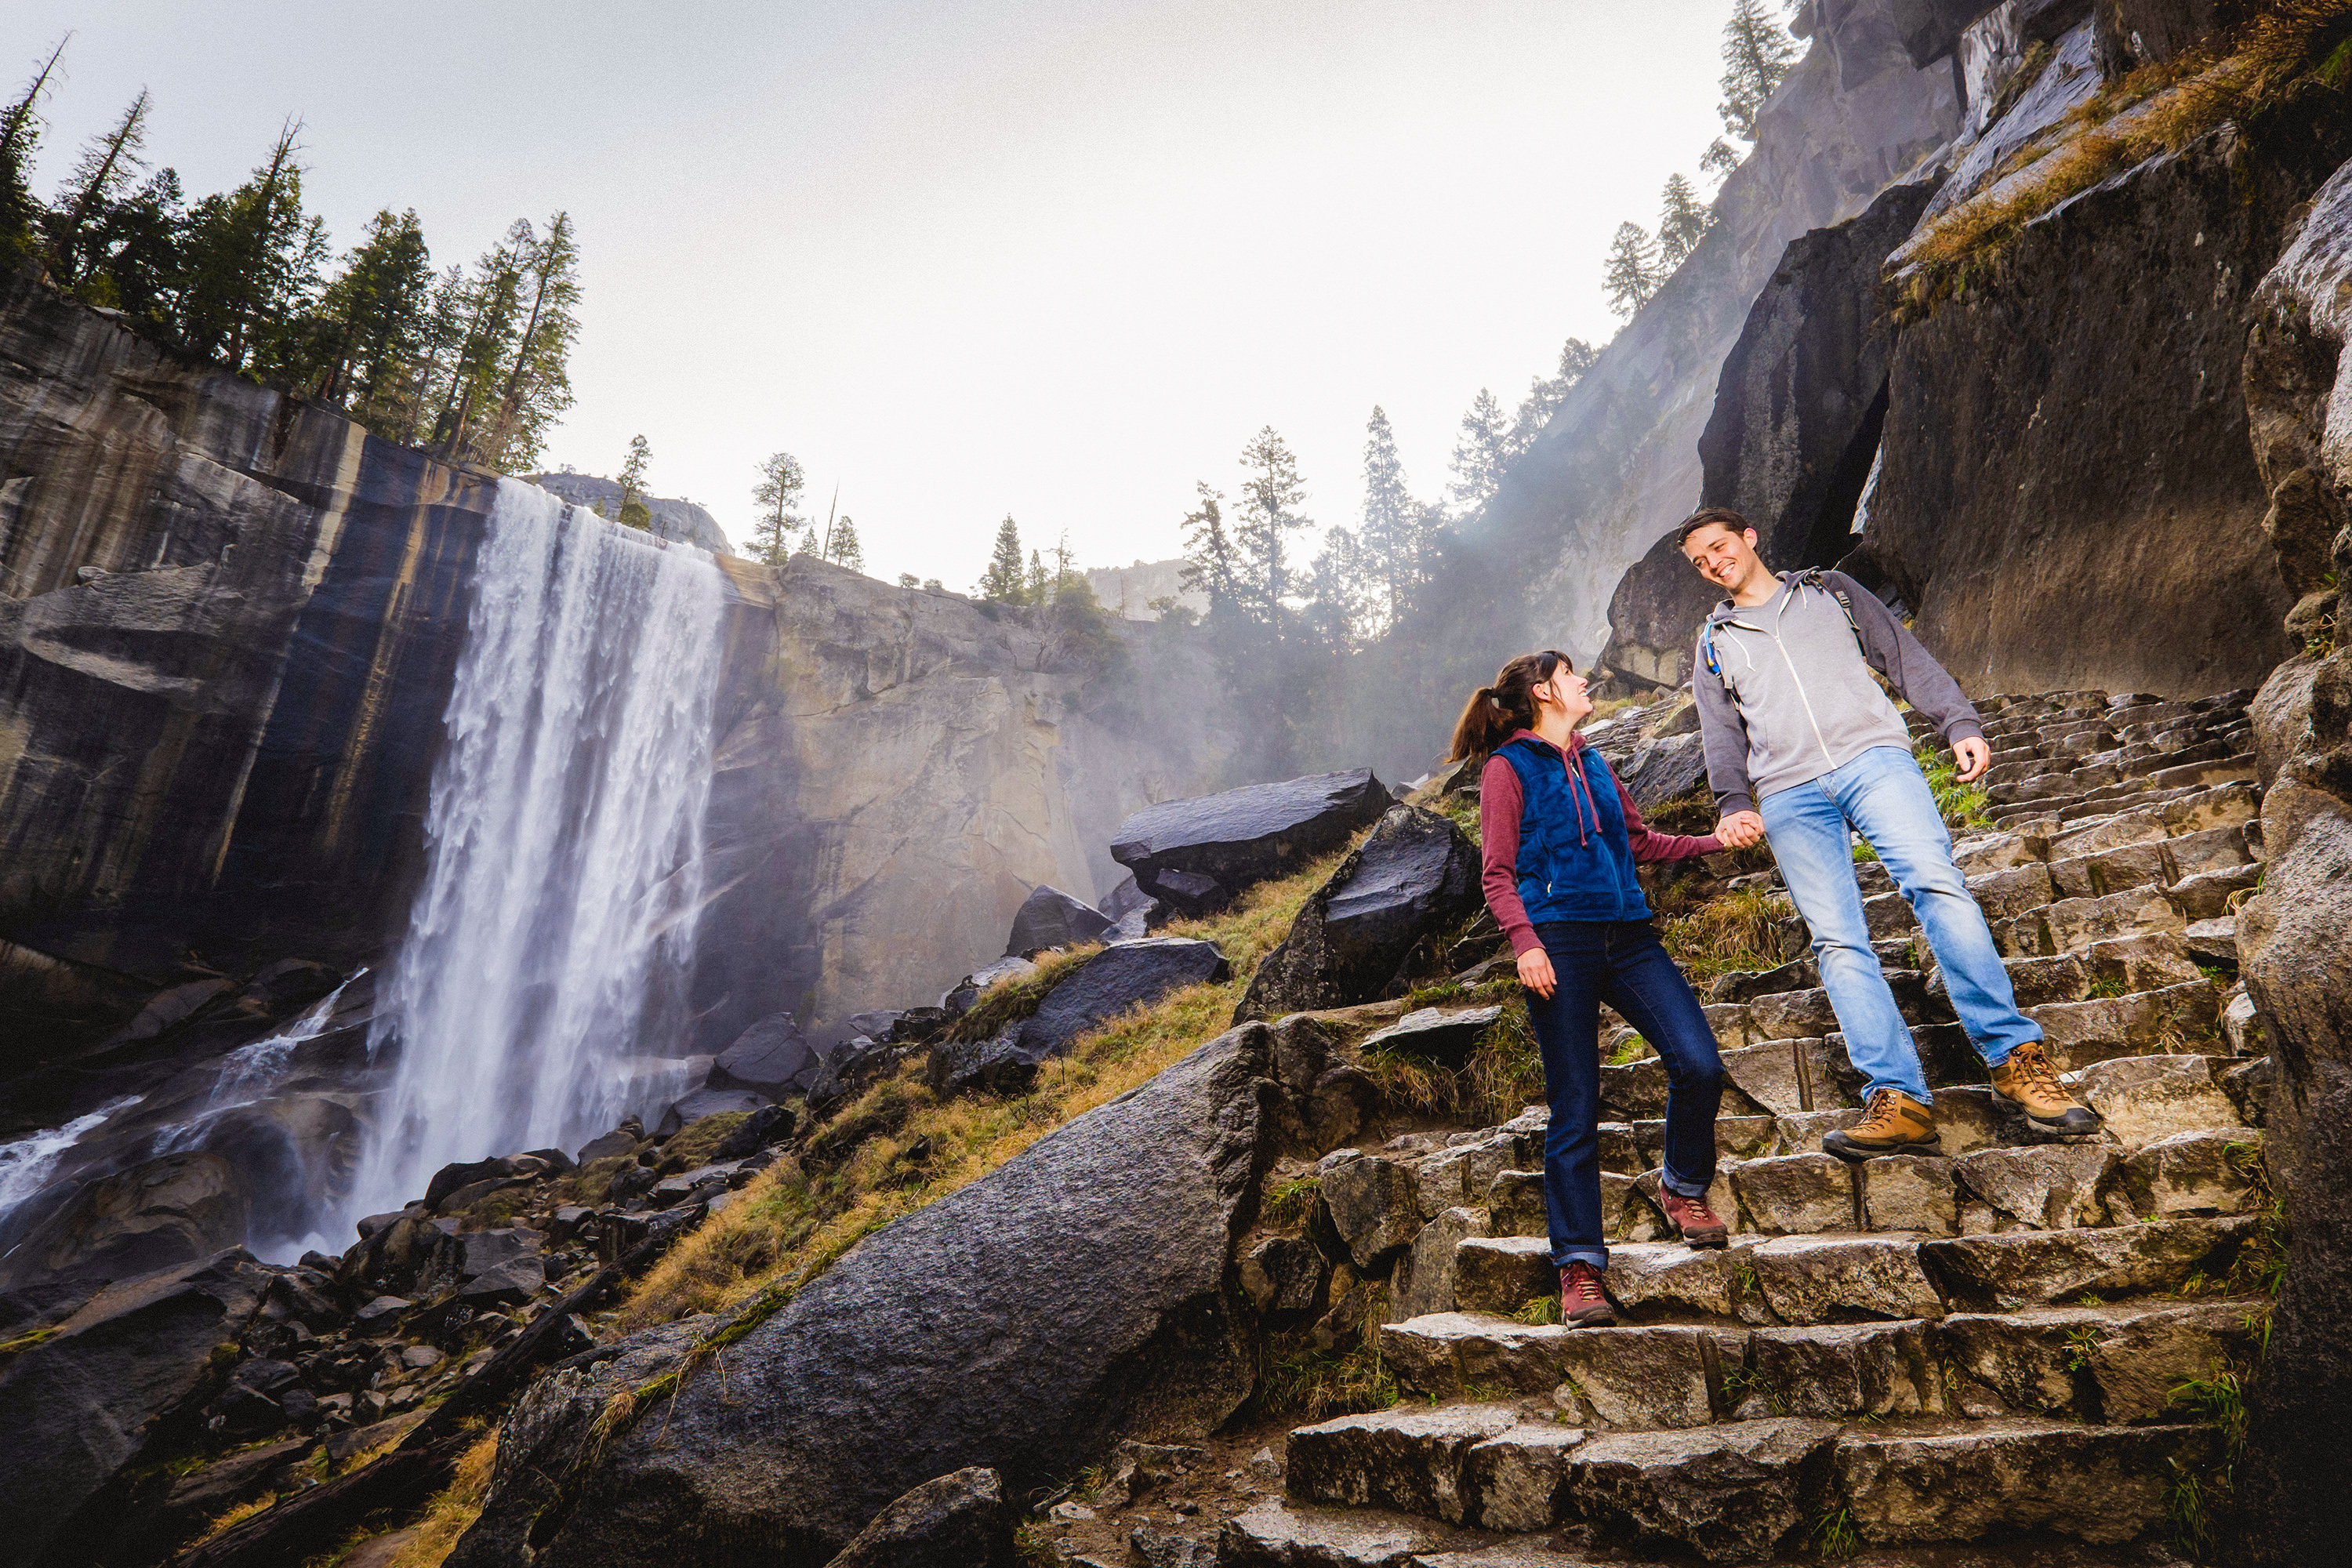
(1978, 1345)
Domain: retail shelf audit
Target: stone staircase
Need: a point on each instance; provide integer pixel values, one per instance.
(1975, 1346)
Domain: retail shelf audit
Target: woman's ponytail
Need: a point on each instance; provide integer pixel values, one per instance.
(1494, 713)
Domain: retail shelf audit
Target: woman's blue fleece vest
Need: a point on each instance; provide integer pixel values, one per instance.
(1560, 878)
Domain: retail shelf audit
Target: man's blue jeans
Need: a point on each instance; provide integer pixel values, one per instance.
(1883, 796)
(1620, 962)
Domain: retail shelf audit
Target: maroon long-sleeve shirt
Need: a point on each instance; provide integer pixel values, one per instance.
(1501, 804)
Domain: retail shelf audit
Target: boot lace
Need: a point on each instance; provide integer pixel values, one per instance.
(1695, 1212)
(1879, 1113)
(2035, 1067)
(1582, 1284)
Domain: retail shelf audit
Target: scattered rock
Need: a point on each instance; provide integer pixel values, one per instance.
(958, 1519)
(772, 1058)
(1195, 855)
(684, 1113)
(961, 996)
(1049, 918)
(1440, 1036)
(1089, 1283)
(1415, 875)
(1094, 991)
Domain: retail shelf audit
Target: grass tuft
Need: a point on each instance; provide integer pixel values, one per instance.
(1739, 930)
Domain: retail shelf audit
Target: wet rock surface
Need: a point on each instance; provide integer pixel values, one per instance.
(1079, 1363)
(1415, 875)
(1195, 855)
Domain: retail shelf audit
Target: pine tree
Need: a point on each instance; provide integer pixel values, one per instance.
(134, 250)
(490, 303)
(1035, 585)
(1389, 546)
(776, 494)
(1719, 159)
(843, 549)
(251, 263)
(1482, 452)
(1211, 567)
(1000, 584)
(1682, 222)
(20, 134)
(1267, 517)
(379, 308)
(1757, 54)
(1545, 395)
(110, 167)
(634, 512)
(1631, 273)
(809, 543)
(536, 385)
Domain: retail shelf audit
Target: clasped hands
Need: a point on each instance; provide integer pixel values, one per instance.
(1745, 829)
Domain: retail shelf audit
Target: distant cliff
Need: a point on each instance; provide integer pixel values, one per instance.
(229, 623)
(672, 519)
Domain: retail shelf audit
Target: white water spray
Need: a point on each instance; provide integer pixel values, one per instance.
(553, 935)
(25, 1165)
(249, 1073)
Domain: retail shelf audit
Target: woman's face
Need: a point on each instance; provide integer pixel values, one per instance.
(1566, 689)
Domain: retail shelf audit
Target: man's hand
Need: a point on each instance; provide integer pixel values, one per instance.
(1740, 830)
(1535, 972)
(1973, 756)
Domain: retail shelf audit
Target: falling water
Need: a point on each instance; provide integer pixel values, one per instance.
(25, 1164)
(554, 932)
(248, 1073)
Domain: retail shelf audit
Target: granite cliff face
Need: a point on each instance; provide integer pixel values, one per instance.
(903, 770)
(1617, 466)
(228, 626)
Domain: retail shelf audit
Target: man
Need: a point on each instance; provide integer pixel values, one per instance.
(1802, 744)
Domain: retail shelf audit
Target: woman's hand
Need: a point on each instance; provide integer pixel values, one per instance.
(1535, 972)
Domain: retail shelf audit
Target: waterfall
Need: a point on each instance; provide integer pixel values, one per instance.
(553, 935)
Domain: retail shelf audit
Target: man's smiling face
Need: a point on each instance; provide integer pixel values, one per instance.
(1722, 557)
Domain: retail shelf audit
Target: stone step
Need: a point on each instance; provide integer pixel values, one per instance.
(1737, 1491)
(2115, 1363)
(1861, 1276)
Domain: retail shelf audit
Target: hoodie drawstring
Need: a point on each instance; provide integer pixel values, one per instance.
(1577, 783)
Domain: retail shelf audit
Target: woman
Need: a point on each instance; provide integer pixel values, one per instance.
(1561, 839)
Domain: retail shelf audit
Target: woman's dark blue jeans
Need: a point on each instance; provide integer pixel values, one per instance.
(1620, 962)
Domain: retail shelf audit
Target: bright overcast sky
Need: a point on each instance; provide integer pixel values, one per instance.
(1059, 259)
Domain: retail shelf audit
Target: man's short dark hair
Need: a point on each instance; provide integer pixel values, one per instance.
(1707, 516)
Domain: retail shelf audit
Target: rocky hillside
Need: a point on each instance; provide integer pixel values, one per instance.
(1277, 1293)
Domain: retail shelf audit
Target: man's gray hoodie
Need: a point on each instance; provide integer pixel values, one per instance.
(1787, 697)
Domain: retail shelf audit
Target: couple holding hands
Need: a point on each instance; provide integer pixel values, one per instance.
(1803, 747)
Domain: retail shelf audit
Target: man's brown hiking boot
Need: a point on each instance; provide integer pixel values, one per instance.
(1697, 1223)
(2029, 1081)
(1582, 1304)
(1892, 1124)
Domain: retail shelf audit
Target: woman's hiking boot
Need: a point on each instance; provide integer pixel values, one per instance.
(1892, 1123)
(2029, 1081)
(1581, 1303)
(1698, 1225)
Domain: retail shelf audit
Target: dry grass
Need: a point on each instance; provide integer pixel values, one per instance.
(790, 1225)
(1737, 931)
(1501, 1077)
(2285, 48)
(453, 1510)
